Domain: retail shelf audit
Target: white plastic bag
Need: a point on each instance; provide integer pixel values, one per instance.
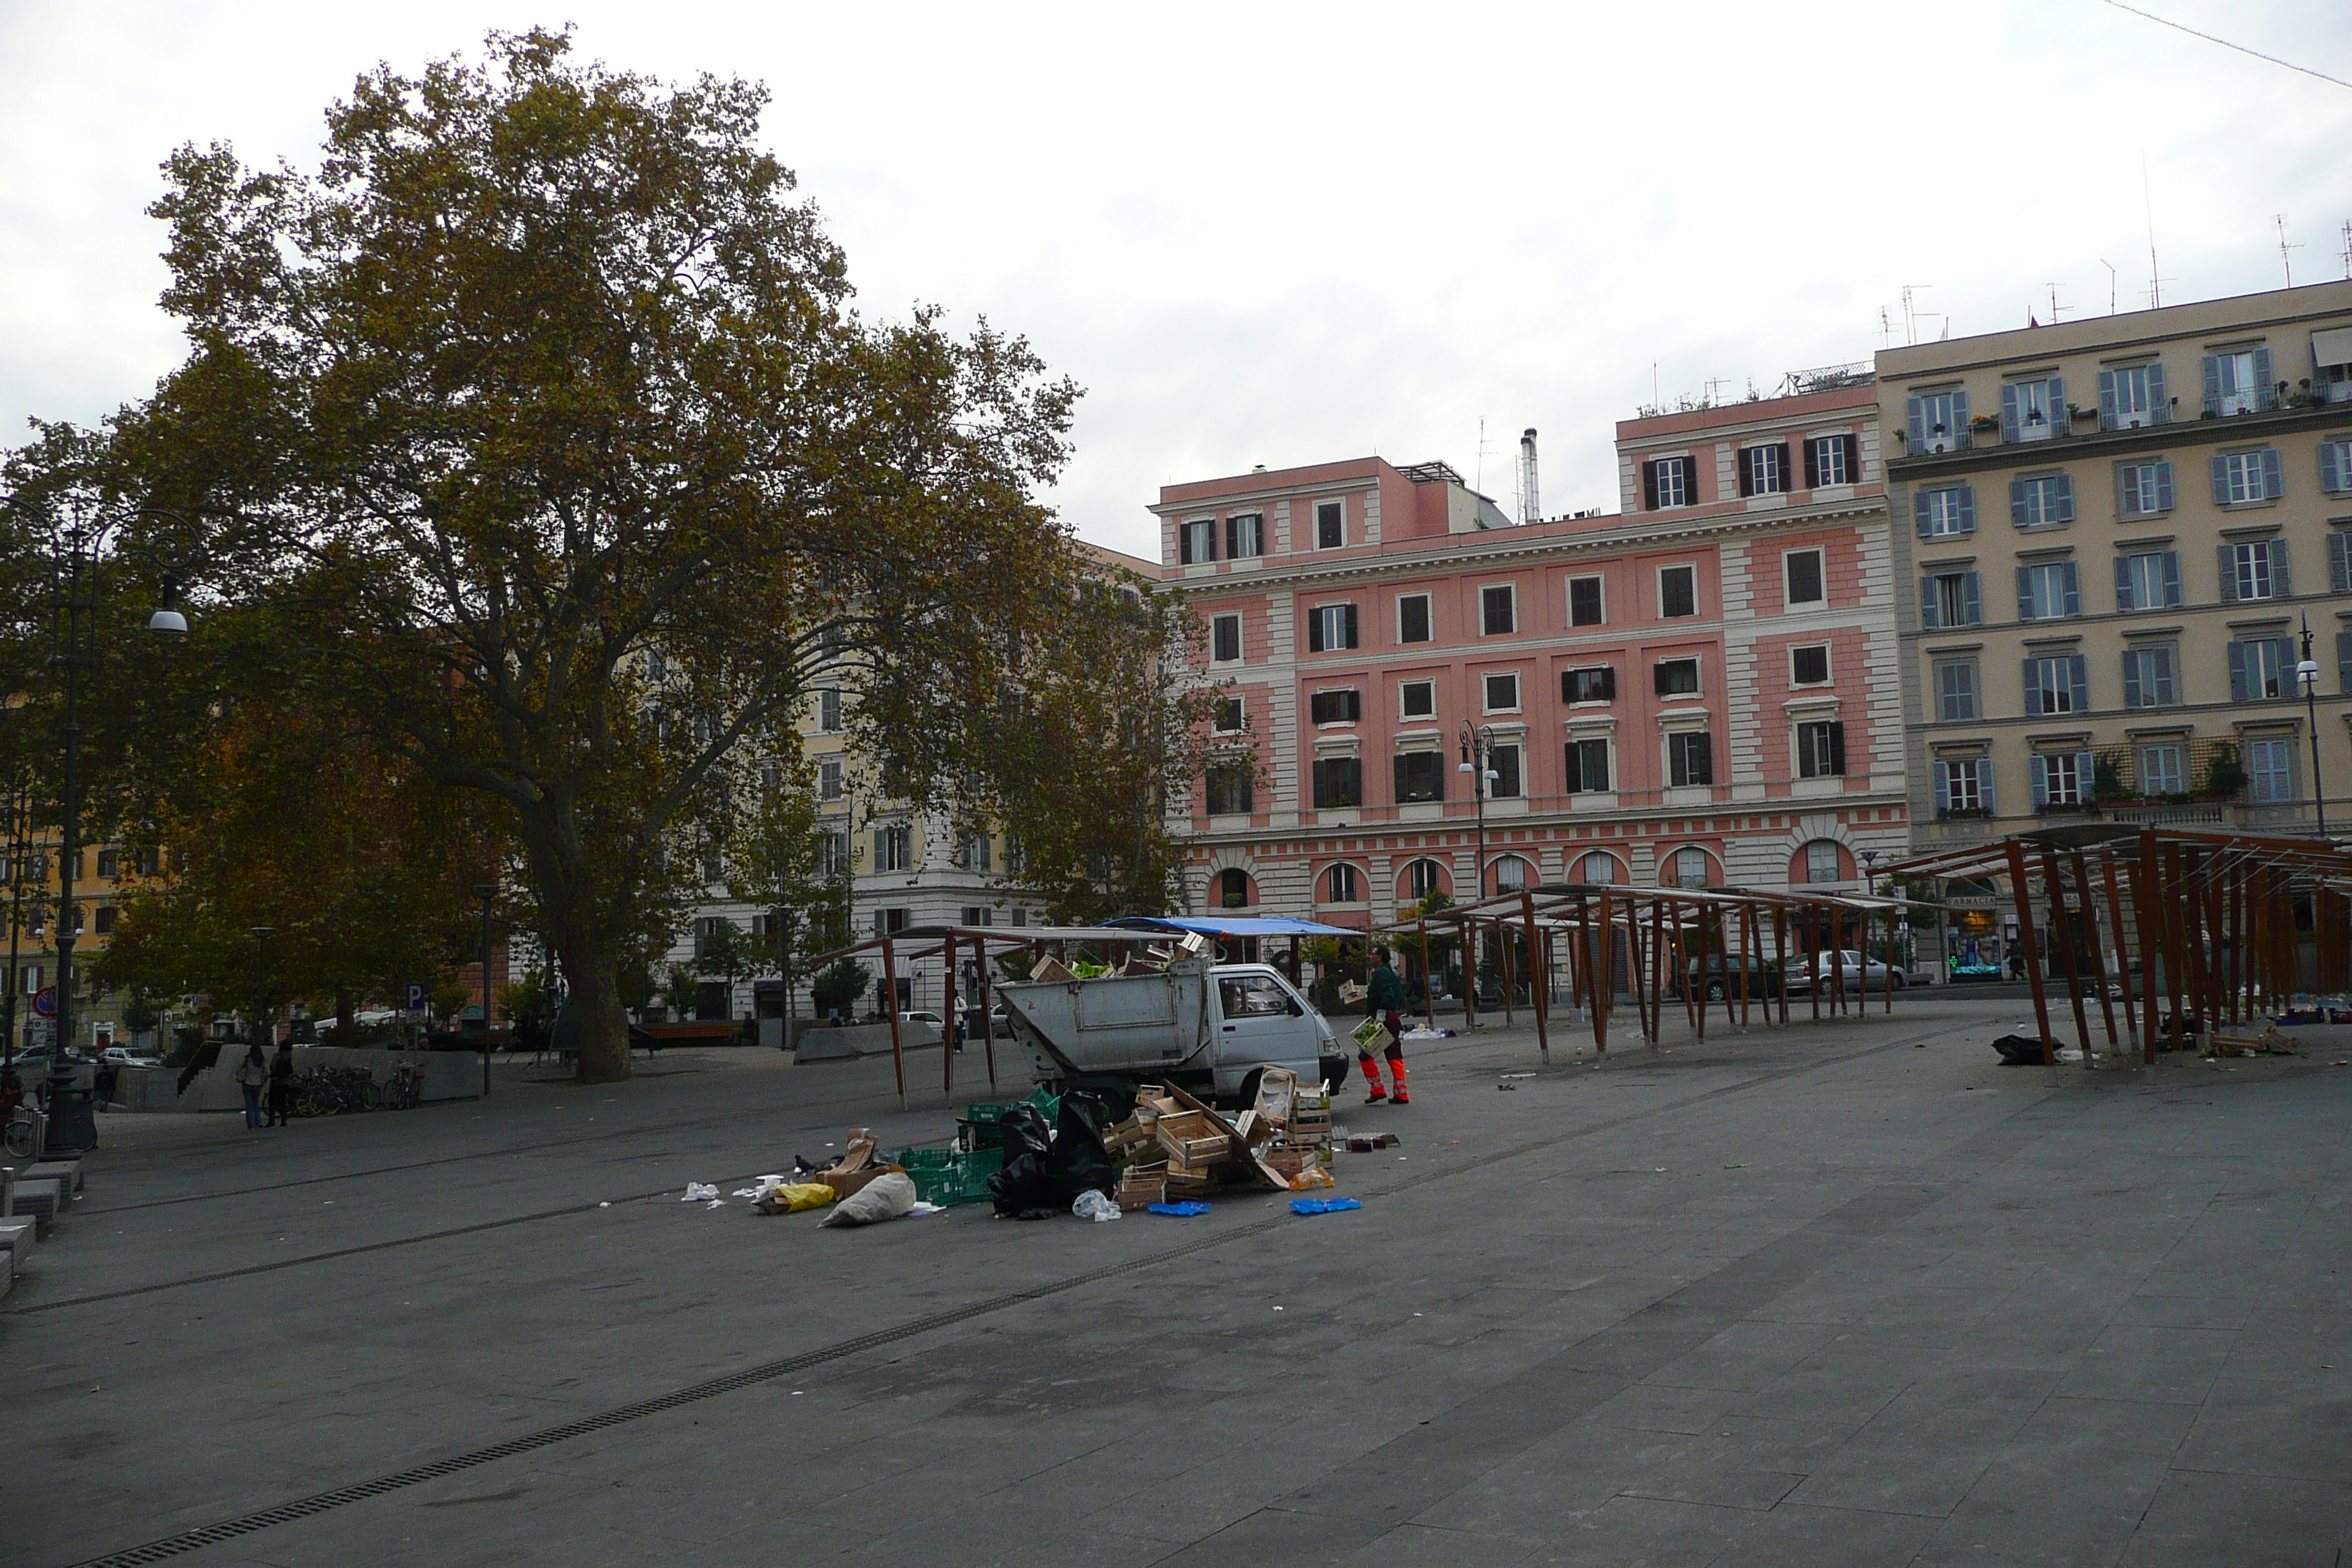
(697, 1192)
(1092, 1205)
(884, 1197)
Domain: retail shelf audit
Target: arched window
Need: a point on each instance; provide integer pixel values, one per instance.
(1598, 866)
(1343, 884)
(1821, 860)
(1423, 877)
(1690, 867)
(1512, 873)
(1234, 889)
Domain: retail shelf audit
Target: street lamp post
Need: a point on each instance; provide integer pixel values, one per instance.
(2307, 672)
(72, 1128)
(1477, 745)
(488, 893)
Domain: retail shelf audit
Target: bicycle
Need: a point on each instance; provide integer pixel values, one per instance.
(22, 1135)
(403, 1091)
(328, 1091)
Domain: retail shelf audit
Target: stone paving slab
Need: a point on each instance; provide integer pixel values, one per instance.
(1846, 1293)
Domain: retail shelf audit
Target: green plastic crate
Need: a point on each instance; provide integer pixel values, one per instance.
(982, 1123)
(948, 1176)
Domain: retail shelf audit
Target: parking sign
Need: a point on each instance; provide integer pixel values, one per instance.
(417, 995)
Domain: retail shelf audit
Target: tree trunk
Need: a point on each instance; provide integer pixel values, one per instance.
(343, 1035)
(596, 1011)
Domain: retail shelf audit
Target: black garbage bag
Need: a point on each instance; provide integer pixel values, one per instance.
(2019, 1050)
(1043, 1177)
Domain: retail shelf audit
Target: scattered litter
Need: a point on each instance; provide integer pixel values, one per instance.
(923, 1210)
(1369, 1142)
(758, 1183)
(887, 1196)
(1660, 1169)
(1277, 1309)
(1507, 1087)
(1179, 1211)
(1511, 1075)
(608, 1202)
(2269, 1043)
(716, 1204)
(1735, 1167)
(699, 1190)
(1091, 1205)
(1326, 1206)
(1429, 1034)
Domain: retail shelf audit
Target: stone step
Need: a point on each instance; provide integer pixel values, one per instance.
(17, 1240)
(67, 1172)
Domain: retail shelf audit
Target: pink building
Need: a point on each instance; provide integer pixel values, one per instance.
(1703, 689)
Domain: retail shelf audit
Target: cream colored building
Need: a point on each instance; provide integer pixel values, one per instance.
(2112, 535)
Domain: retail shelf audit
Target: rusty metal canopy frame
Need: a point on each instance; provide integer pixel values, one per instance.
(1651, 929)
(2213, 911)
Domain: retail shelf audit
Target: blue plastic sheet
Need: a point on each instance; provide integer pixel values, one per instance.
(1322, 1205)
(1180, 1211)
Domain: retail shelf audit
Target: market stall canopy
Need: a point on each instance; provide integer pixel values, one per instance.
(1232, 925)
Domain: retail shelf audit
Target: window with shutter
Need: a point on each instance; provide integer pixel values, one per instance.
(1244, 535)
(1339, 783)
(2336, 466)
(1585, 765)
(1226, 638)
(1929, 619)
(1420, 776)
(1197, 541)
(2339, 560)
(1690, 758)
(1597, 684)
(1955, 691)
(1584, 607)
(2344, 662)
(1809, 665)
(1678, 677)
(1412, 617)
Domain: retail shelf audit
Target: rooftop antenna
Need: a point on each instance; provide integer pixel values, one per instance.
(2111, 284)
(1886, 321)
(2147, 206)
(1530, 509)
(2054, 306)
(2285, 260)
(1478, 468)
(1912, 314)
(2347, 248)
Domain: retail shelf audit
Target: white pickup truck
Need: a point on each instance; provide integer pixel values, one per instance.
(1196, 1024)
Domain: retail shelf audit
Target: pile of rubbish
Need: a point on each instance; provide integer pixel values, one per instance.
(1176, 1148)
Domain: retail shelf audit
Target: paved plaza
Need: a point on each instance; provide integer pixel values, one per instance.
(1847, 1293)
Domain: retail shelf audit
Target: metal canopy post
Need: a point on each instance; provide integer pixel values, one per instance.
(987, 1019)
(898, 1047)
(2025, 900)
(2123, 954)
(2062, 928)
(1539, 980)
(2098, 957)
(948, 1028)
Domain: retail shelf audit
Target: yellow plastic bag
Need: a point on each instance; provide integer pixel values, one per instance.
(1311, 1177)
(792, 1197)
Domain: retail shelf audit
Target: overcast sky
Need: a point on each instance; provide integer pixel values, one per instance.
(1281, 234)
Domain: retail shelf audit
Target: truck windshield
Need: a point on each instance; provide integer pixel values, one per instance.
(1252, 996)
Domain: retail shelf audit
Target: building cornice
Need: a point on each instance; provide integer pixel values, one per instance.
(2236, 429)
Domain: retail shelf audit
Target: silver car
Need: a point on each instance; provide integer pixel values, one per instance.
(1852, 971)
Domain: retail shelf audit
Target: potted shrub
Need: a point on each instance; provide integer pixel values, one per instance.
(2225, 776)
(2108, 786)
(2082, 420)
(1984, 430)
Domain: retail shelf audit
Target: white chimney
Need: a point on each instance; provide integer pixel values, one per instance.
(1530, 509)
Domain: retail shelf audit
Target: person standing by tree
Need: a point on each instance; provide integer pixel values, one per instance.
(251, 1074)
(1383, 999)
(281, 1085)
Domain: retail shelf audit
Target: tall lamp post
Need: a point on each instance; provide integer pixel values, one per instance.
(72, 1129)
(487, 892)
(1477, 745)
(2307, 672)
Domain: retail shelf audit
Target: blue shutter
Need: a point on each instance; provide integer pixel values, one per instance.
(2074, 577)
(1916, 410)
(2078, 677)
(2122, 583)
(2086, 769)
(2131, 677)
(1919, 506)
(2032, 690)
(2171, 578)
(2331, 466)
(2212, 384)
(2163, 484)
(2273, 482)
(1968, 494)
(2059, 423)
(2039, 770)
(2062, 497)
(2220, 480)
(2132, 492)
(2282, 586)
(2340, 562)
(2026, 608)
(2108, 418)
(2238, 682)
(1960, 418)
(2160, 410)
(1971, 591)
(1943, 792)
(2017, 503)
(1984, 784)
(1928, 620)
(2229, 574)
(2009, 411)
(2265, 390)
(2344, 662)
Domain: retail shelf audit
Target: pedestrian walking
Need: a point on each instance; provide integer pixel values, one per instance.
(1383, 996)
(281, 1086)
(252, 1072)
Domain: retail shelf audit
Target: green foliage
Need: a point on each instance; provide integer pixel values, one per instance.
(539, 419)
(449, 999)
(839, 987)
(2224, 774)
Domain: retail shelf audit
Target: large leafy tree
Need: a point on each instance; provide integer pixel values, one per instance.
(541, 414)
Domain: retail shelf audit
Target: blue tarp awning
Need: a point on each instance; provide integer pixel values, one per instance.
(1233, 925)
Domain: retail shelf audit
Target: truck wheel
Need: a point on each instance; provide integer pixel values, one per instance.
(1248, 1096)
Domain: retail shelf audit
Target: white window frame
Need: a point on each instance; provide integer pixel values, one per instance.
(1686, 472)
(1815, 849)
(1609, 761)
(2059, 698)
(1487, 691)
(2048, 605)
(2062, 783)
(1676, 860)
(1256, 525)
(1960, 601)
(1335, 628)
(1829, 670)
(1405, 707)
(1354, 892)
(1945, 520)
(2237, 393)
(2250, 570)
(1600, 581)
(1414, 878)
(2175, 779)
(1240, 645)
(828, 710)
(1821, 577)
(2146, 595)
(1519, 760)
(829, 777)
(1512, 591)
(2148, 692)
(1428, 617)
(2243, 474)
(2032, 397)
(1960, 781)
(2141, 488)
(1824, 448)
(1208, 525)
(2134, 406)
(1761, 463)
(1690, 567)
(1341, 504)
(1523, 879)
(1584, 869)
(1672, 737)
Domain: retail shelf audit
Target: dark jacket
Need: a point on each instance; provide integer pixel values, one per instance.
(1383, 992)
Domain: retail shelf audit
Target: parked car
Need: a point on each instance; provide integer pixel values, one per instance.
(1852, 971)
(924, 1016)
(124, 1056)
(1721, 977)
